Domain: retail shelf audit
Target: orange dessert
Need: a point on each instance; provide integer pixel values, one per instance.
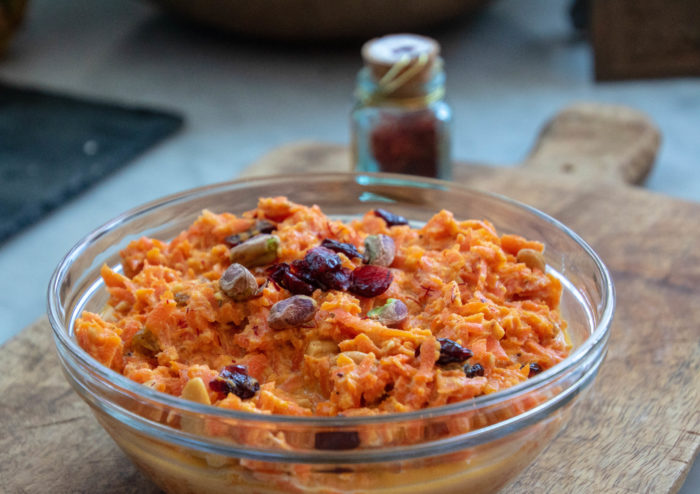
(286, 311)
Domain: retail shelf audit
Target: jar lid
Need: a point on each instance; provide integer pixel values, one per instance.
(402, 63)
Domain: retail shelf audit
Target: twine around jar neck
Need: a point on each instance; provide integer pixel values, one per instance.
(397, 76)
(401, 73)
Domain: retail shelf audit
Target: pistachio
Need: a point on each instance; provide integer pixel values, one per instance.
(239, 283)
(181, 299)
(531, 258)
(257, 251)
(379, 250)
(145, 341)
(260, 226)
(392, 312)
(292, 312)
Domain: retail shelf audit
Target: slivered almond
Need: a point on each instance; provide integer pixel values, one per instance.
(196, 390)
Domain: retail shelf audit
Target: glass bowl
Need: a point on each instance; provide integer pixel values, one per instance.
(472, 446)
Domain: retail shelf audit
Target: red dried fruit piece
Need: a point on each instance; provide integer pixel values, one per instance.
(348, 249)
(370, 281)
(235, 379)
(335, 280)
(336, 440)
(229, 370)
(534, 369)
(390, 218)
(305, 275)
(473, 370)
(451, 351)
(282, 275)
(322, 268)
(318, 260)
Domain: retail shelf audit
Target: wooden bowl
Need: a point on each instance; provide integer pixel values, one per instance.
(319, 19)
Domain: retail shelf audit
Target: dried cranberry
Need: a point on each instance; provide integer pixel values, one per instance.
(276, 272)
(322, 268)
(337, 440)
(281, 274)
(534, 369)
(390, 218)
(335, 280)
(473, 370)
(348, 249)
(305, 275)
(235, 379)
(451, 351)
(370, 280)
(232, 369)
(264, 226)
(319, 260)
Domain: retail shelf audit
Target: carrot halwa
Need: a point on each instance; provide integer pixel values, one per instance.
(286, 311)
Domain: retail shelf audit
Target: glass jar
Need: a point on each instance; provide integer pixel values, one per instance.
(401, 122)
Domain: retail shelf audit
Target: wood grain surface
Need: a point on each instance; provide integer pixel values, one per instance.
(637, 430)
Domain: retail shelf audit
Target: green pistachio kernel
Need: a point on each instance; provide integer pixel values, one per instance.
(379, 250)
(257, 251)
(392, 312)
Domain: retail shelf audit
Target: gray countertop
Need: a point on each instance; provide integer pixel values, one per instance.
(509, 70)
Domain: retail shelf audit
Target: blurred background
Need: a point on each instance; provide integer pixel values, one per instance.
(217, 101)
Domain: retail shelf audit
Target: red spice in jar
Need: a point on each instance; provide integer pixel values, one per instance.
(406, 143)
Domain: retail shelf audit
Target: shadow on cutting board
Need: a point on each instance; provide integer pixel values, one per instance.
(54, 146)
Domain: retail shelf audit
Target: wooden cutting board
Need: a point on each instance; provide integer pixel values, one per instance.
(637, 430)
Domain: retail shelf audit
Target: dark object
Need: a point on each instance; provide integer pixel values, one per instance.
(580, 14)
(370, 281)
(322, 268)
(260, 226)
(313, 20)
(451, 351)
(348, 249)
(337, 470)
(390, 218)
(317, 261)
(52, 147)
(235, 379)
(645, 38)
(407, 144)
(281, 274)
(11, 16)
(473, 370)
(337, 440)
(534, 369)
(336, 280)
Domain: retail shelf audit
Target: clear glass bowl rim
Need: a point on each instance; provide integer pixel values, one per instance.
(597, 338)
